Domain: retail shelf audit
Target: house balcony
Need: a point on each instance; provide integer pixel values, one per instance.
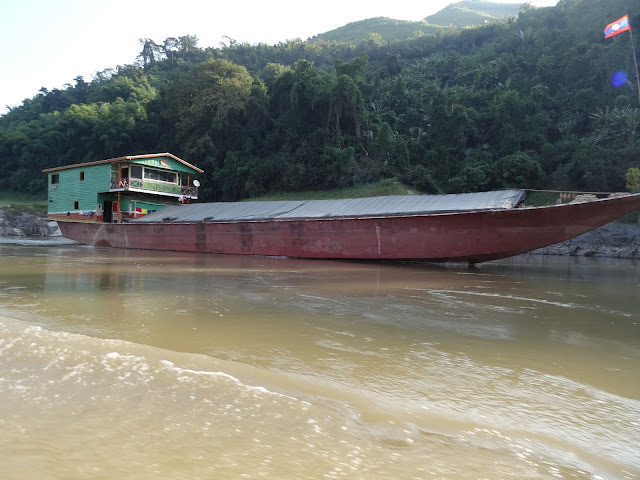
(153, 186)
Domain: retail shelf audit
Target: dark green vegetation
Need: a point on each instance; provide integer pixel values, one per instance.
(379, 31)
(526, 103)
(384, 187)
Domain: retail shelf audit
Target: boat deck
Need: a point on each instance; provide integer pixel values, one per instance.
(353, 207)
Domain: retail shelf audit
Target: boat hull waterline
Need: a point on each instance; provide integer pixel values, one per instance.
(472, 237)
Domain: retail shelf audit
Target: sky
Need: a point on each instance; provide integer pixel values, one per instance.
(48, 43)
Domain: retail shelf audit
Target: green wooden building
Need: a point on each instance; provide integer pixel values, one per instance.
(118, 189)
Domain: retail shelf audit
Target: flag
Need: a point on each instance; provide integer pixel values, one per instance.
(619, 26)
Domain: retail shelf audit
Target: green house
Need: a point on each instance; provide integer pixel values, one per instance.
(119, 189)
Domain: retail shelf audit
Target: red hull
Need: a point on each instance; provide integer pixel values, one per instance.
(466, 236)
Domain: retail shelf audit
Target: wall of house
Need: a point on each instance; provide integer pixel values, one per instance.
(70, 188)
(135, 207)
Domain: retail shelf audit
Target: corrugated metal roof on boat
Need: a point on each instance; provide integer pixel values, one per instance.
(405, 204)
(353, 207)
(222, 211)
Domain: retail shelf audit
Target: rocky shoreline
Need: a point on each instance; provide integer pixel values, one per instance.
(27, 225)
(614, 240)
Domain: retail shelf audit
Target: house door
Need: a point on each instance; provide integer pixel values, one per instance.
(108, 211)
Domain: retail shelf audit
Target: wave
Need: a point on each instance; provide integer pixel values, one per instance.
(146, 405)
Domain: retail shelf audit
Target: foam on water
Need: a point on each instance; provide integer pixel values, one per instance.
(84, 407)
(40, 242)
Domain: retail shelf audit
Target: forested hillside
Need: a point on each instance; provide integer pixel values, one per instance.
(472, 12)
(527, 103)
(380, 30)
(466, 13)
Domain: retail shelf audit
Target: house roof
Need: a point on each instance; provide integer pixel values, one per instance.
(124, 159)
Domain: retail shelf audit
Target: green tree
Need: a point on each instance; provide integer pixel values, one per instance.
(633, 180)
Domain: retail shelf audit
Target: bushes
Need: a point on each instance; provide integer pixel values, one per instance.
(633, 180)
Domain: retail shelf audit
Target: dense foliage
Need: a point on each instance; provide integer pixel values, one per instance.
(527, 103)
(381, 30)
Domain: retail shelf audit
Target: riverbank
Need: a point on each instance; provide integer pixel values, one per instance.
(614, 240)
(27, 225)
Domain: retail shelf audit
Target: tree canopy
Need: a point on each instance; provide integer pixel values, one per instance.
(524, 103)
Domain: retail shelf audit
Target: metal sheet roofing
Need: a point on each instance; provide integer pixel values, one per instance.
(124, 159)
(353, 207)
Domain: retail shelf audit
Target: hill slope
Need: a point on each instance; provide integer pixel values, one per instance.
(389, 29)
(467, 13)
(521, 104)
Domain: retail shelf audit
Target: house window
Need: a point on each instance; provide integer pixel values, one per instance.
(160, 175)
(76, 205)
(136, 171)
(55, 178)
(82, 175)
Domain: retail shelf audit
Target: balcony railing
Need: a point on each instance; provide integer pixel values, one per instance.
(153, 186)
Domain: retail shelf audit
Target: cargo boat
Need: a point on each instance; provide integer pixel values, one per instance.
(475, 227)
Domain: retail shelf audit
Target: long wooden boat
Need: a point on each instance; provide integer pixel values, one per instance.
(469, 227)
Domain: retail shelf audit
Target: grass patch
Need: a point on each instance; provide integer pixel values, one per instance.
(385, 187)
(539, 199)
(17, 204)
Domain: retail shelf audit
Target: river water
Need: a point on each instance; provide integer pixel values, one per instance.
(135, 365)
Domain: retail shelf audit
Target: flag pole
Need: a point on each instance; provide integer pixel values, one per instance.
(635, 61)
